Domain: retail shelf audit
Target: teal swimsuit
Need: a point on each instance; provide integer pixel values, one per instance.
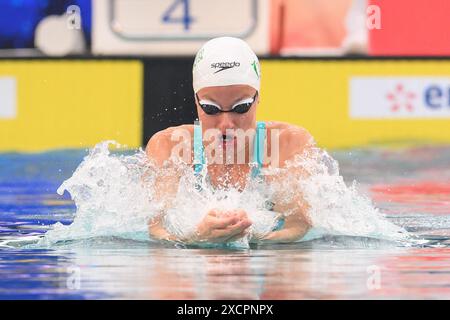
(258, 150)
(258, 158)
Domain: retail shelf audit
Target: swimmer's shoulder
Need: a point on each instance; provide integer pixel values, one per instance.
(160, 145)
(293, 139)
(290, 133)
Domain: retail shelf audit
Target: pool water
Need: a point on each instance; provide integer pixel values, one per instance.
(410, 185)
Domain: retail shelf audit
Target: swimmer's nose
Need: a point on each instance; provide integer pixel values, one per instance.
(226, 122)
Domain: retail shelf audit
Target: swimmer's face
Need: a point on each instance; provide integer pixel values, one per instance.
(226, 97)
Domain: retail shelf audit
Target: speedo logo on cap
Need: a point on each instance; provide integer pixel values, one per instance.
(224, 65)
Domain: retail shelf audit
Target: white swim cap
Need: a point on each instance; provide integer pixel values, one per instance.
(225, 61)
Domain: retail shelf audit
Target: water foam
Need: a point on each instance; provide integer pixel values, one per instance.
(115, 197)
(112, 194)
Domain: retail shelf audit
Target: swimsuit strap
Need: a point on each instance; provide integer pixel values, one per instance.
(199, 157)
(258, 148)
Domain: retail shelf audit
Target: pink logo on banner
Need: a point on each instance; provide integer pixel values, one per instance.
(400, 98)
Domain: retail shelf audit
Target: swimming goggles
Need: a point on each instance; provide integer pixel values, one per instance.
(241, 107)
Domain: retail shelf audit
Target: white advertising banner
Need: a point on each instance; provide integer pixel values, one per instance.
(399, 97)
(8, 99)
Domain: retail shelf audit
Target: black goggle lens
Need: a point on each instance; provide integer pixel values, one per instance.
(210, 109)
(243, 107)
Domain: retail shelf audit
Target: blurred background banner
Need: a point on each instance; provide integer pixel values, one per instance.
(286, 27)
(353, 72)
(308, 27)
(19, 19)
(69, 103)
(411, 28)
(348, 103)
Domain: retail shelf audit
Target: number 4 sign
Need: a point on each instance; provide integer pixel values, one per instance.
(182, 19)
(186, 19)
(176, 27)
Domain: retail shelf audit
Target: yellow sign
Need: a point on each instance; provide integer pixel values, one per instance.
(315, 94)
(72, 104)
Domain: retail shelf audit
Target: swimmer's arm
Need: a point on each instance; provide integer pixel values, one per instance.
(158, 151)
(157, 231)
(296, 225)
(294, 142)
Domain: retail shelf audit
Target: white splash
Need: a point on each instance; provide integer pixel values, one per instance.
(114, 197)
(335, 208)
(112, 194)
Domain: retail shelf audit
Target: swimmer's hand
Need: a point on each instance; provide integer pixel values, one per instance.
(222, 226)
